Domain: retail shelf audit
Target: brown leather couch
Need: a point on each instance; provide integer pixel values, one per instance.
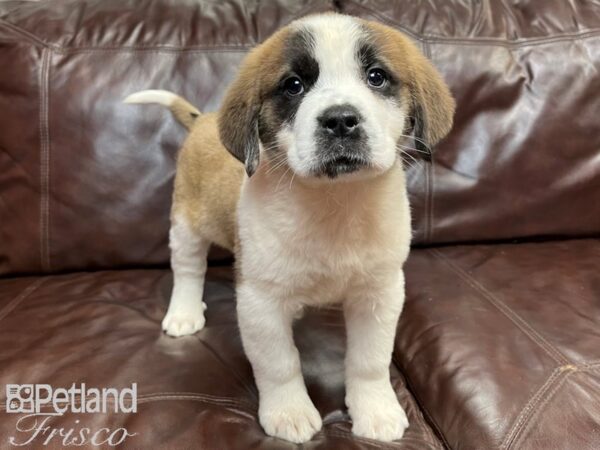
(499, 343)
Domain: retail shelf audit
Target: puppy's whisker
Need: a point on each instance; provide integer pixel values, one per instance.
(428, 152)
(413, 159)
(276, 166)
(403, 154)
(405, 149)
(282, 177)
(276, 159)
(276, 155)
(276, 163)
(411, 164)
(425, 144)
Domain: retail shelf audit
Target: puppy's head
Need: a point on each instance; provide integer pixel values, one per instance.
(332, 97)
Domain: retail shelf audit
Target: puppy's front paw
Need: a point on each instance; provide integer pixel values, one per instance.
(289, 416)
(377, 415)
(184, 322)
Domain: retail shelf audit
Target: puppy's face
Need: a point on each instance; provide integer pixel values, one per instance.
(332, 97)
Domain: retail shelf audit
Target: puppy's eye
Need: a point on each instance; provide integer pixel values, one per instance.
(376, 77)
(293, 86)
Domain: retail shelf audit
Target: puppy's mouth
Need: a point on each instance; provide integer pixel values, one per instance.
(335, 166)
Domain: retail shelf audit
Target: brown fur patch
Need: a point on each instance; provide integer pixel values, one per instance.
(432, 103)
(208, 177)
(207, 184)
(238, 118)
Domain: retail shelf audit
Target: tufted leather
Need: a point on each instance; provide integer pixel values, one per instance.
(499, 343)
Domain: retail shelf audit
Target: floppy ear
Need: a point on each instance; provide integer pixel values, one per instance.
(239, 115)
(433, 105)
(238, 119)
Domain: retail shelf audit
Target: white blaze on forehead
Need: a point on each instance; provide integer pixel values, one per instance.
(336, 39)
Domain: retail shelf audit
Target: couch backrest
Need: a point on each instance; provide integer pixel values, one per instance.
(85, 181)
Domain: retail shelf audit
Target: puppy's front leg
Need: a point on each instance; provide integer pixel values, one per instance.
(285, 409)
(371, 319)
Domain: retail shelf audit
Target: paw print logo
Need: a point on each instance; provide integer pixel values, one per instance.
(19, 398)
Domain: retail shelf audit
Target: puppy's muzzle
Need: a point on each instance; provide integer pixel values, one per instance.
(341, 141)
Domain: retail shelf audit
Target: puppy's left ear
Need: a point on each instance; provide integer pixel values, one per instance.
(433, 105)
(238, 118)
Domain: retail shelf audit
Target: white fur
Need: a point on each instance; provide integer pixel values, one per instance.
(165, 98)
(188, 260)
(313, 245)
(371, 318)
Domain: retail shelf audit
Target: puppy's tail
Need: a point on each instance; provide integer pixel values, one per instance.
(183, 110)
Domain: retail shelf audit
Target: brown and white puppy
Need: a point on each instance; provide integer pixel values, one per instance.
(317, 116)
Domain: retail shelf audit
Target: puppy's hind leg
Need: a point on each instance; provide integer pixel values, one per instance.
(189, 252)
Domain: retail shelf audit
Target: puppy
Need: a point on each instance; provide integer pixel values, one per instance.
(316, 116)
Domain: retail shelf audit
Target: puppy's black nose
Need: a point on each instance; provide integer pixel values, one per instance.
(340, 120)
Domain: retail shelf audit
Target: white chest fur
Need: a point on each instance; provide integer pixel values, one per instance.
(311, 244)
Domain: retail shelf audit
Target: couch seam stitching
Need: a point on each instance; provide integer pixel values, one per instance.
(148, 398)
(516, 46)
(234, 48)
(436, 38)
(431, 38)
(431, 199)
(420, 415)
(49, 164)
(420, 418)
(391, 445)
(429, 177)
(214, 47)
(426, 203)
(519, 435)
(337, 433)
(525, 413)
(426, 414)
(517, 320)
(10, 307)
(212, 400)
(590, 365)
(32, 38)
(44, 158)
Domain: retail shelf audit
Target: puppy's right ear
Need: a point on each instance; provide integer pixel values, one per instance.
(238, 117)
(240, 113)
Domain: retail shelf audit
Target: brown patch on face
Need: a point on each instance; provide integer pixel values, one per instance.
(238, 119)
(431, 100)
(280, 105)
(269, 122)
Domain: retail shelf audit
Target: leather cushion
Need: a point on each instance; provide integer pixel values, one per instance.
(85, 181)
(103, 329)
(501, 343)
